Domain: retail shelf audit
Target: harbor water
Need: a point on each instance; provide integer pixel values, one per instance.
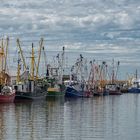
(98, 118)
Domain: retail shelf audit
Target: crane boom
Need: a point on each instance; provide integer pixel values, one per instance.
(20, 50)
(18, 69)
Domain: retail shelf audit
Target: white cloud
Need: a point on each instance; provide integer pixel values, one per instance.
(100, 26)
(124, 20)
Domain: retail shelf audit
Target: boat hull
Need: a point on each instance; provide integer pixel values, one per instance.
(30, 95)
(52, 92)
(113, 89)
(73, 93)
(7, 98)
(103, 93)
(55, 93)
(115, 92)
(134, 90)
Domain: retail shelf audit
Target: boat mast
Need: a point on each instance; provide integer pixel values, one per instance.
(91, 78)
(81, 68)
(2, 54)
(136, 74)
(45, 59)
(39, 55)
(6, 53)
(32, 64)
(102, 77)
(2, 63)
(62, 65)
(117, 69)
(113, 72)
(60, 59)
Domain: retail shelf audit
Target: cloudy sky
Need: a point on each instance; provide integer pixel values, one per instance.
(105, 29)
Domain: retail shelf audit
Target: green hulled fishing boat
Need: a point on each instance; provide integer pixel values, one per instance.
(55, 89)
(54, 77)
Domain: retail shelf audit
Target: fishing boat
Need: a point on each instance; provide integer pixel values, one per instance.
(71, 91)
(78, 86)
(54, 77)
(31, 90)
(28, 84)
(113, 89)
(135, 87)
(98, 91)
(7, 95)
(124, 87)
(135, 84)
(56, 90)
(98, 79)
(54, 87)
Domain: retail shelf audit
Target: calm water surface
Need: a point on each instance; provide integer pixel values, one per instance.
(99, 118)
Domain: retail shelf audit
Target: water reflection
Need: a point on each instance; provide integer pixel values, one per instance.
(99, 118)
(7, 122)
(31, 120)
(109, 118)
(55, 118)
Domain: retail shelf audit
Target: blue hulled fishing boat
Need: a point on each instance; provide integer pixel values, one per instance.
(78, 87)
(72, 91)
(135, 88)
(135, 85)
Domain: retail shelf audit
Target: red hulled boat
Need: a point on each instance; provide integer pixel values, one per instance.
(7, 95)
